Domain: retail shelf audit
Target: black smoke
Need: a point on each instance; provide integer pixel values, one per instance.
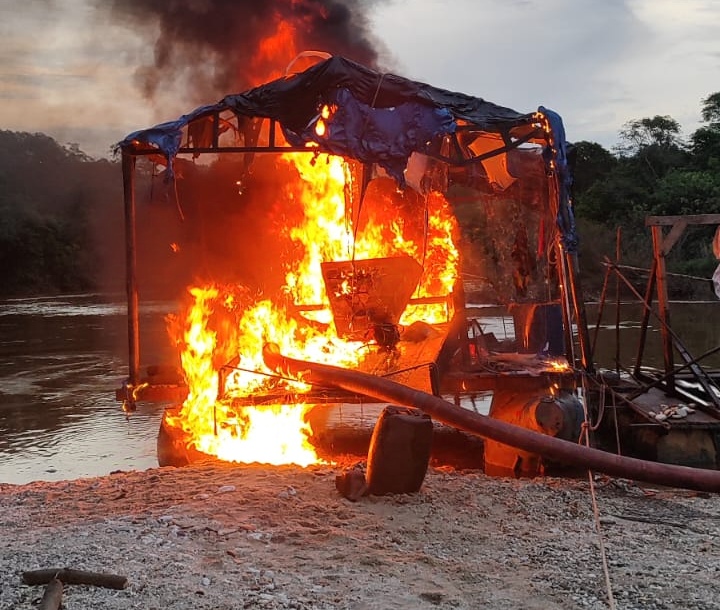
(209, 48)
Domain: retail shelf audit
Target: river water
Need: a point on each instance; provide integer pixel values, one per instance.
(62, 358)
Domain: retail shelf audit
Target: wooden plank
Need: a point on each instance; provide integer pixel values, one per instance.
(52, 598)
(671, 239)
(70, 576)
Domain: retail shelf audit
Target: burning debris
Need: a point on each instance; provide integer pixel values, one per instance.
(352, 304)
(347, 250)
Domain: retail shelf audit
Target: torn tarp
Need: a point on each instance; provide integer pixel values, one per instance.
(294, 101)
(386, 136)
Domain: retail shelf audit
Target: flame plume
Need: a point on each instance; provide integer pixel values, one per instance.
(225, 328)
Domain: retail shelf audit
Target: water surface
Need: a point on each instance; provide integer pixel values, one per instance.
(62, 358)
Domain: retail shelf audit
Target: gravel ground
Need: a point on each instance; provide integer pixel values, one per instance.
(222, 536)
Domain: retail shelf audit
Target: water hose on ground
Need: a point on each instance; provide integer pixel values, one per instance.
(447, 413)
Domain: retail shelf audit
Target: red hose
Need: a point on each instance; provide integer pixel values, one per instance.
(442, 411)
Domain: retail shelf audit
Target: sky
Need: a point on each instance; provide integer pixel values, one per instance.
(68, 67)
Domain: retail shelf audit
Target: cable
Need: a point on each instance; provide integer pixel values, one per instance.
(596, 512)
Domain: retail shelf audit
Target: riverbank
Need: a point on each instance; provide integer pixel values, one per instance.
(222, 536)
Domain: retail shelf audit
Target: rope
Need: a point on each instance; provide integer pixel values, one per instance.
(177, 200)
(596, 511)
(603, 554)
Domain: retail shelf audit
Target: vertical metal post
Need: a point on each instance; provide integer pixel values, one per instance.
(573, 278)
(618, 235)
(647, 310)
(663, 308)
(128, 169)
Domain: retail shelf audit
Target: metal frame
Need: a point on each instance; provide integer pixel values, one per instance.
(662, 245)
(538, 133)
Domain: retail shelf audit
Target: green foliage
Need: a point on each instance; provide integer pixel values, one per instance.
(705, 148)
(711, 110)
(705, 141)
(52, 203)
(685, 191)
(592, 163)
(617, 199)
(654, 173)
(42, 255)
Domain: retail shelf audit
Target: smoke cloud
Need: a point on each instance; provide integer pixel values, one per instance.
(209, 48)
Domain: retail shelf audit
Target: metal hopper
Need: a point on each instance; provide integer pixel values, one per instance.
(366, 293)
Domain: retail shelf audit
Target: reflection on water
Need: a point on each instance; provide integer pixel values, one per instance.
(697, 324)
(62, 358)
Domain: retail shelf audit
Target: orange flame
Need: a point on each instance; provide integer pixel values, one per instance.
(224, 329)
(275, 49)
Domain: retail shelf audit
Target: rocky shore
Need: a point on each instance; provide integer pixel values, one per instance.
(220, 536)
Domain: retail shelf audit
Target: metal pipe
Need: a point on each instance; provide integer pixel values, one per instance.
(646, 317)
(442, 411)
(131, 285)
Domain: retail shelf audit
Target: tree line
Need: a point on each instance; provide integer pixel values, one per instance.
(61, 218)
(653, 171)
(59, 221)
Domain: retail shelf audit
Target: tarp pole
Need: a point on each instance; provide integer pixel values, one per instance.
(128, 169)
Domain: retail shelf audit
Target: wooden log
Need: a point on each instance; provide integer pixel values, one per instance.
(70, 576)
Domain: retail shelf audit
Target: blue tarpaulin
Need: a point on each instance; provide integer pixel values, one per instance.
(382, 118)
(377, 118)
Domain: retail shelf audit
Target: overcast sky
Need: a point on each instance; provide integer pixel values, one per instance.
(66, 70)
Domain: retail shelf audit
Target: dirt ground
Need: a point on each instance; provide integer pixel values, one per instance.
(222, 536)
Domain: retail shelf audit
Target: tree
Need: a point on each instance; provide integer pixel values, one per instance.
(652, 147)
(705, 141)
(58, 215)
(711, 110)
(592, 162)
(662, 131)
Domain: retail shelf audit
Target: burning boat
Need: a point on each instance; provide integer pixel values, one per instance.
(362, 177)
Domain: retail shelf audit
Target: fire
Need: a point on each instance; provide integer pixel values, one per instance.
(272, 50)
(559, 366)
(225, 327)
